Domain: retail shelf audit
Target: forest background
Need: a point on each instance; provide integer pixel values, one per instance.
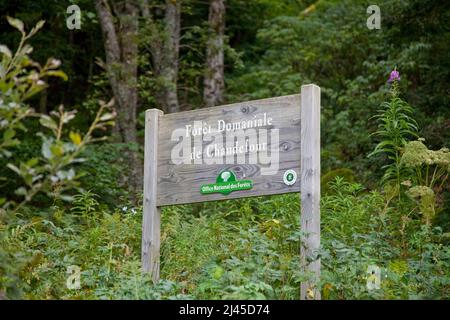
(71, 181)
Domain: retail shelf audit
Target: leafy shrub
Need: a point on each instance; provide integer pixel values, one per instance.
(51, 173)
(102, 173)
(396, 126)
(358, 231)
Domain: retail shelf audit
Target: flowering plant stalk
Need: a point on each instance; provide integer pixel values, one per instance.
(395, 127)
(431, 171)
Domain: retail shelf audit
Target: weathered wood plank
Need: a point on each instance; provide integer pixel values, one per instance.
(310, 188)
(151, 225)
(181, 183)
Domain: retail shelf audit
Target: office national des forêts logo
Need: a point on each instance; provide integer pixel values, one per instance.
(226, 183)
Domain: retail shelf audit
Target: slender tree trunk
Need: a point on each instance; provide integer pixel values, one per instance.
(214, 83)
(119, 23)
(171, 54)
(165, 48)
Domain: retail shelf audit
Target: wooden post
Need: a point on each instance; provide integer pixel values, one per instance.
(151, 224)
(310, 188)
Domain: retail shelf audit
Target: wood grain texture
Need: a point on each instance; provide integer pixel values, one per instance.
(178, 184)
(151, 224)
(310, 188)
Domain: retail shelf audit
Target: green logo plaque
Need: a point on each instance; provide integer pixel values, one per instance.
(226, 183)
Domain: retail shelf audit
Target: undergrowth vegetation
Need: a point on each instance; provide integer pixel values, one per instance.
(245, 249)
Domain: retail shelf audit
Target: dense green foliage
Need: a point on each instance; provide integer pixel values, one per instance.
(246, 249)
(385, 165)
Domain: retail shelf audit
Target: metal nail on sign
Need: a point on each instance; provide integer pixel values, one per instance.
(254, 148)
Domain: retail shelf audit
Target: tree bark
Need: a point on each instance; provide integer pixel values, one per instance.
(214, 83)
(119, 23)
(172, 51)
(165, 48)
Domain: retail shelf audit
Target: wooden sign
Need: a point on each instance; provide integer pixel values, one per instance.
(254, 148)
(256, 140)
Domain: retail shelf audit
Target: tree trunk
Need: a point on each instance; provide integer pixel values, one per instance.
(214, 83)
(172, 50)
(165, 48)
(119, 25)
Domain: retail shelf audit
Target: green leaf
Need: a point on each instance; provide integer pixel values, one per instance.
(5, 50)
(16, 23)
(48, 122)
(46, 152)
(2, 75)
(57, 150)
(9, 134)
(32, 162)
(66, 198)
(21, 191)
(107, 116)
(27, 49)
(14, 168)
(70, 174)
(38, 26)
(6, 153)
(67, 116)
(75, 137)
(218, 272)
(59, 73)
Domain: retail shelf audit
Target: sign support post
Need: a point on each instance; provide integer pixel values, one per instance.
(151, 224)
(310, 188)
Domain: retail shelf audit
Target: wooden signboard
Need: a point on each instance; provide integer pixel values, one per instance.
(247, 149)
